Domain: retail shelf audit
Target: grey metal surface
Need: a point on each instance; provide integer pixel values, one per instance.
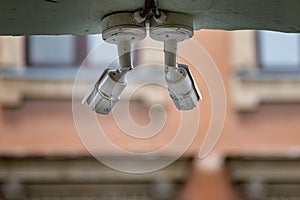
(26, 17)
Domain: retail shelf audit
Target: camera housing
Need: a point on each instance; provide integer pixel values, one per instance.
(106, 91)
(182, 88)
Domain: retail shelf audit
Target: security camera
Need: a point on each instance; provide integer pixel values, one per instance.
(182, 87)
(175, 28)
(121, 30)
(106, 91)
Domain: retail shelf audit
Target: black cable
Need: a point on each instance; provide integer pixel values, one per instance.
(150, 8)
(155, 9)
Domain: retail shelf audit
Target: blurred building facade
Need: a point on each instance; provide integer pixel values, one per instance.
(262, 119)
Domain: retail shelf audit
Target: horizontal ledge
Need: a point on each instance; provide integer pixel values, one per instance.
(55, 73)
(267, 75)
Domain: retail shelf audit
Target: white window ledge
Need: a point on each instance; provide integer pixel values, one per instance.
(250, 88)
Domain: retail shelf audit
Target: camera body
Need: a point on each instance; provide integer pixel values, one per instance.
(182, 88)
(106, 91)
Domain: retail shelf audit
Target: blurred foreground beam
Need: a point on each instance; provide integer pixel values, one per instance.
(262, 178)
(85, 177)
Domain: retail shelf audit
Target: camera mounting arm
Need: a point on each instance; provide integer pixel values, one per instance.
(175, 28)
(121, 30)
(117, 29)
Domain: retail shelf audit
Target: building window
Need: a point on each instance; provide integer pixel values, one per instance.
(275, 78)
(279, 51)
(65, 50)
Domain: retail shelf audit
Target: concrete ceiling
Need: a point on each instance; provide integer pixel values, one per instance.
(26, 17)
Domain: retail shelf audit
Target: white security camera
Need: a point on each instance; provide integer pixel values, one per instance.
(121, 30)
(106, 92)
(175, 28)
(182, 87)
